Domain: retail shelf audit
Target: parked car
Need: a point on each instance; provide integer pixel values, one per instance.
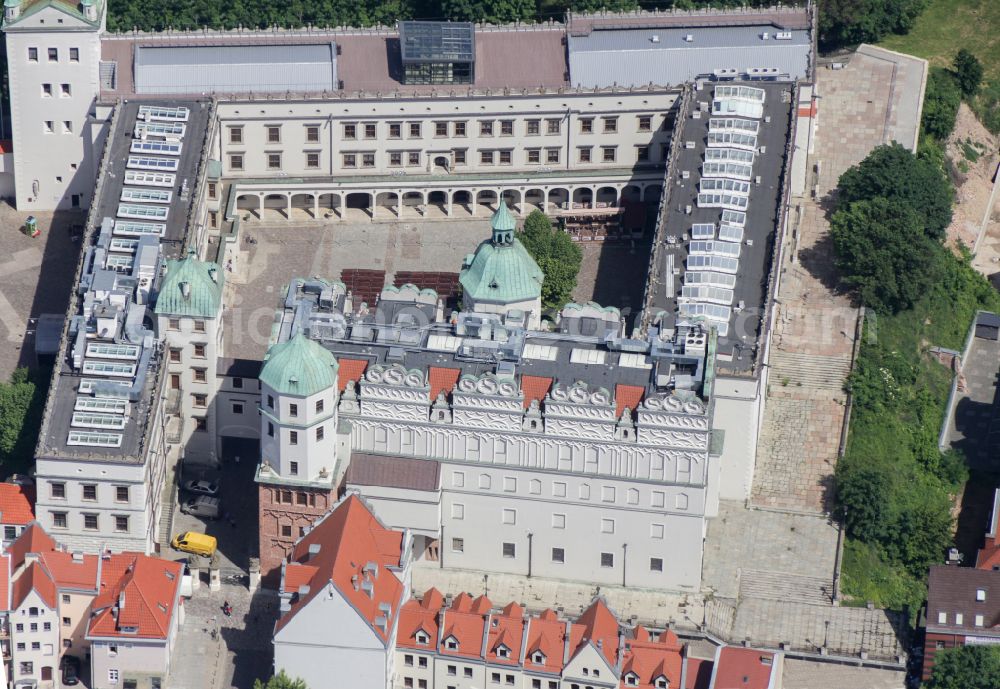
(202, 506)
(70, 670)
(202, 487)
(194, 542)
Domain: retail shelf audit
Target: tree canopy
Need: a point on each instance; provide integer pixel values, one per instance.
(884, 253)
(941, 103)
(966, 667)
(849, 22)
(968, 72)
(893, 172)
(21, 402)
(557, 256)
(280, 681)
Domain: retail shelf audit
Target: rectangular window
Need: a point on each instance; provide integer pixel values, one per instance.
(53, 55)
(213, 190)
(486, 127)
(440, 129)
(200, 375)
(9, 533)
(200, 423)
(312, 134)
(273, 161)
(293, 437)
(121, 493)
(270, 429)
(552, 126)
(458, 545)
(301, 499)
(609, 154)
(90, 491)
(414, 130)
(395, 159)
(645, 123)
(486, 157)
(90, 522)
(350, 131)
(200, 401)
(558, 521)
(607, 559)
(413, 158)
(312, 159)
(656, 564)
(506, 127)
(237, 407)
(350, 160)
(558, 555)
(607, 526)
(235, 161)
(67, 127)
(509, 550)
(238, 383)
(506, 157)
(319, 433)
(121, 523)
(458, 511)
(58, 490)
(395, 130)
(46, 90)
(408, 660)
(459, 156)
(370, 130)
(552, 155)
(509, 517)
(236, 135)
(59, 520)
(48, 126)
(460, 129)
(586, 125)
(642, 154)
(33, 54)
(293, 469)
(293, 410)
(534, 156)
(367, 160)
(67, 622)
(610, 125)
(533, 127)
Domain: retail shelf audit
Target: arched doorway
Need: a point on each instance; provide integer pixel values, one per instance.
(303, 201)
(358, 201)
(442, 164)
(328, 203)
(652, 193)
(438, 199)
(558, 197)
(631, 194)
(488, 198)
(582, 197)
(607, 197)
(533, 197)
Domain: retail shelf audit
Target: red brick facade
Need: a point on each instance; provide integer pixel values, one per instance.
(284, 514)
(935, 642)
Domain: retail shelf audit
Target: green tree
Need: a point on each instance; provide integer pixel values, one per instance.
(966, 667)
(280, 681)
(968, 72)
(21, 402)
(557, 256)
(893, 172)
(941, 103)
(865, 494)
(884, 254)
(849, 22)
(489, 11)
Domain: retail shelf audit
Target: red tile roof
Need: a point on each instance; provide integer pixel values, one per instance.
(650, 658)
(546, 633)
(71, 573)
(442, 380)
(989, 555)
(507, 630)
(35, 578)
(535, 388)
(16, 503)
(419, 615)
(32, 540)
(467, 629)
(296, 575)
(627, 396)
(350, 369)
(699, 673)
(349, 537)
(600, 627)
(138, 593)
(743, 668)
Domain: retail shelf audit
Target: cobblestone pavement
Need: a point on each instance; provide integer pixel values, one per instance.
(653, 608)
(240, 650)
(867, 103)
(35, 278)
(742, 540)
(807, 674)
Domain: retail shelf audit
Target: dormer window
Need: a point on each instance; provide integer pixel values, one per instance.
(503, 651)
(422, 638)
(451, 643)
(980, 595)
(662, 683)
(538, 658)
(632, 679)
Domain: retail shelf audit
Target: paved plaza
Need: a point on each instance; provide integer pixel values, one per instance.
(806, 674)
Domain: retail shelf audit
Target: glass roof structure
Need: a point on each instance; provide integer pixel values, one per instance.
(437, 42)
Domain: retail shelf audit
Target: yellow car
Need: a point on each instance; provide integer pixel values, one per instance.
(194, 542)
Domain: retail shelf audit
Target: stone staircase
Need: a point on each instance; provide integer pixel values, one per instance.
(786, 587)
(812, 371)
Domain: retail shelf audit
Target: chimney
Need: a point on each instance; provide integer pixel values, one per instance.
(121, 600)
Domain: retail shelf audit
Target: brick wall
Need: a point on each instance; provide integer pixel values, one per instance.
(931, 643)
(283, 513)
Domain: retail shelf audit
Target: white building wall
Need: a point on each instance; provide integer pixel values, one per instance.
(54, 166)
(290, 443)
(327, 634)
(116, 660)
(236, 408)
(737, 414)
(400, 508)
(39, 634)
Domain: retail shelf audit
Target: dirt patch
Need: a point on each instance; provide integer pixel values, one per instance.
(972, 153)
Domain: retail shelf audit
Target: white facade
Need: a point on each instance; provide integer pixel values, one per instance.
(298, 437)
(34, 638)
(53, 69)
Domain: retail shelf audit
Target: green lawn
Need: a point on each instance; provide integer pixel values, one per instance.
(947, 25)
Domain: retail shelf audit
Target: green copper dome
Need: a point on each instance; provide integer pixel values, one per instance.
(502, 271)
(191, 288)
(299, 367)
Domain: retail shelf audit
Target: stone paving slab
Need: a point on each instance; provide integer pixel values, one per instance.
(808, 674)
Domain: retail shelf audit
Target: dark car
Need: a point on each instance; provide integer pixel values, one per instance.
(202, 487)
(70, 670)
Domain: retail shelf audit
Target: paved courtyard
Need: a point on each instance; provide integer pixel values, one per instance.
(806, 674)
(35, 278)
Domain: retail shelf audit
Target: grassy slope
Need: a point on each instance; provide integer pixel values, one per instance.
(947, 25)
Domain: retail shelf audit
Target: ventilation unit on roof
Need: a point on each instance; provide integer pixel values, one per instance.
(655, 38)
(689, 37)
(783, 36)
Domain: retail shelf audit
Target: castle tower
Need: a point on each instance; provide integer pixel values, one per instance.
(53, 65)
(298, 445)
(501, 276)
